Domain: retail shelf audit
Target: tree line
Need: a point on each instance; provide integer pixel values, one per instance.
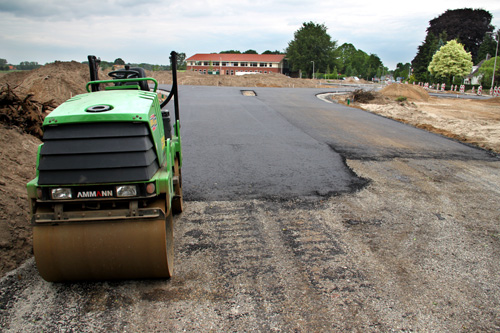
(455, 41)
(23, 65)
(312, 49)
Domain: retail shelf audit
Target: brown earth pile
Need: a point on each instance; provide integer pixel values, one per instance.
(369, 96)
(411, 92)
(249, 80)
(57, 81)
(17, 165)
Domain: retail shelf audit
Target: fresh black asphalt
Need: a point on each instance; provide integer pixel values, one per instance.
(285, 143)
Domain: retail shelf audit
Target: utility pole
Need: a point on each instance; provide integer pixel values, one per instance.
(495, 65)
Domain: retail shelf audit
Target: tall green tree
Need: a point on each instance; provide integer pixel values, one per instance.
(373, 65)
(488, 46)
(423, 58)
(451, 60)
(357, 62)
(311, 43)
(250, 52)
(467, 25)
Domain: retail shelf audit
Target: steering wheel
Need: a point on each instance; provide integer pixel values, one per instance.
(124, 74)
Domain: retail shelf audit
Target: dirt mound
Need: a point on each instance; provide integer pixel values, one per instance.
(411, 92)
(57, 81)
(17, 162)
(25, 113)
(250, 80)
(368, 96)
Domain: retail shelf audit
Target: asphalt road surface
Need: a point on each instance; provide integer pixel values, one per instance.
(303, 216)
(287, 143)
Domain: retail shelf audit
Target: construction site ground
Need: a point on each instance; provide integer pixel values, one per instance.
(415, 250)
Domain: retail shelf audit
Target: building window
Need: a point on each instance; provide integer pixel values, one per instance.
(265, 72)
(216, 63)
(254, 64)
(263, 64)
(232, 72)
(224, 63)
(235, 64)
(244, 64)
(198, 63)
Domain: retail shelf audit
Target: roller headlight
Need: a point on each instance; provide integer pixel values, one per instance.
(124, 191)
(61, 193)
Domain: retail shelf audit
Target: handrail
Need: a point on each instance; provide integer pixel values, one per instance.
(124, 80)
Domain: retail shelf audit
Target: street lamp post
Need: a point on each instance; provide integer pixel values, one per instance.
(313, 68)
(495, 65)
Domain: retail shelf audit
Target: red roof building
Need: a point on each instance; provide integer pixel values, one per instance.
(235, 64)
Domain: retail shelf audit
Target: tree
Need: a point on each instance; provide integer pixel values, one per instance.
(272, 52)
(451, 60)
(402, 71)
(487, 70)
(467, 25)
(230, 51)
(119, 61)
(373, 66)
(28, 65)
(311, 43)
(181, 61)
(250, 52)
(357, 62)
(423, 58)
(488, 46)
(3, 65)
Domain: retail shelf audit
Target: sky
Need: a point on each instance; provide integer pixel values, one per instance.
(146, 31)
